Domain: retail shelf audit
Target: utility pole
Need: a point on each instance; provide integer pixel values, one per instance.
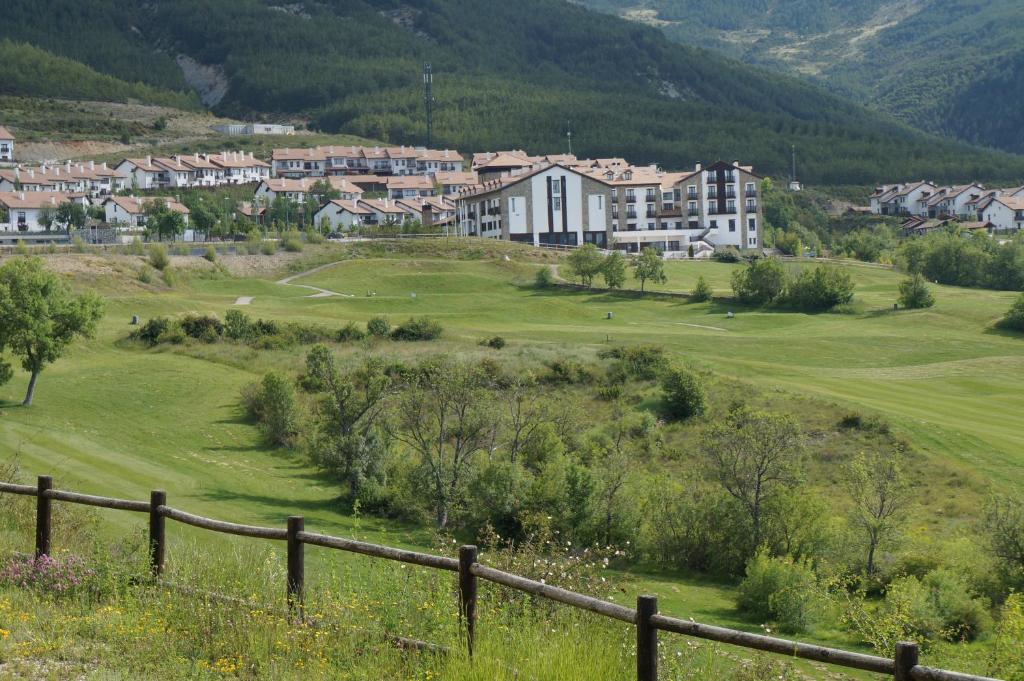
(428, 97)
(568, 134)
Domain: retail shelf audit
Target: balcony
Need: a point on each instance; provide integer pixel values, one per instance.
(712, 195)
(751, 206)
(692, 212)
(631, 215)
(691, 196)
(751, 193)
(730, 193)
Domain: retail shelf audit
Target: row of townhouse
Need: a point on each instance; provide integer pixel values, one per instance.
(1002, 208)
(614, 205)
(87, 178)
(346, 214)
(194, 170)
(6, 145)
(338, 160)
(352, 187)
(21, 212)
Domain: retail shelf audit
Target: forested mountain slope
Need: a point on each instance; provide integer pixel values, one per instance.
(507, 74)
(952, 67)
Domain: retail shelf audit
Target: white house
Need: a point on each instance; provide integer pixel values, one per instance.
(6, 145)
(554, 204)
(410, 186)
(26, 180)
(239, 168)
(142, 173)
(384, 211)
(130, 211)
(341, 215)
(269, 189)
(20, 211)
(431, 210)
(1006, 213)
(298, 163)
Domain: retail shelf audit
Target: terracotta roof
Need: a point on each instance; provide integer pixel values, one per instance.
(237, 159)
(402, 152)
(284, 184)
(171, 164)
(310, 154)
(439, 155)
(350, 206)
(15, 200)
(365, 179)
(449, 177)
(410, 182)
(344, 184)
(502, 160)
(134, 205)
(492, 186)
(5, 134)
(382, 205)
(143, 164)
(1012, 202)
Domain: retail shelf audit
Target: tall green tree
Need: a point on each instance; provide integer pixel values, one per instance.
(613, 269)
(649, 266)
(585, 263)
(71, 215)
(880, 496)
(40, 317)
(755, 455)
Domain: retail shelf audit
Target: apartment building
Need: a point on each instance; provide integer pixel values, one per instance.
(20, 211)
(1005, 213)
(342, 214)
(552, 204)
(6, 145)
(89, 178)
(353, 160)
(237, 167)
(297, 190)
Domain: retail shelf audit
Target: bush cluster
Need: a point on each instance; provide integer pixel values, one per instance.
(273, 405)
(418, 329)
(766, 282)
(779, 590)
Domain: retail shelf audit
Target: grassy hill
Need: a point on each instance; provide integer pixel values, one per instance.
(948, 66)
(114, 418)
(624, 89)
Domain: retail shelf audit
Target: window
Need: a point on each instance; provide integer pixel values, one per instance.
(615, 211)
(630, 196)
(753, 242)
(752, 225)
(651, 226)
(691, 191)
(714, 224)
(600, 202)
(556, 187)
(556, 203)
(732, 225)
(512, 205)
(650, 209)
(650, 194)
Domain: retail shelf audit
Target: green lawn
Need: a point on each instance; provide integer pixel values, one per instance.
(114, 419)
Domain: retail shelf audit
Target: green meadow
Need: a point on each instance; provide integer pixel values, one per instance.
(114, 418)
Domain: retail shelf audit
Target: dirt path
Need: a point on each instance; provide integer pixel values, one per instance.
(244, 300)
(319, 292)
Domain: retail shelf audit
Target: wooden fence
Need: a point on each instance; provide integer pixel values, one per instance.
(645, 617)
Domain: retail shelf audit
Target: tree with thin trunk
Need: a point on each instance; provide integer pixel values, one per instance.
(879, 492)
(1004, 525)
(755, 455)
(444, 418)
(649, 266)
(40, 317)
(351, 439)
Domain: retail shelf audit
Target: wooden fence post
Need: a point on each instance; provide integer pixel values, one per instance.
(296, 563)
(43, 516)
(646, 639)
(157, 542)
(467, 593)
(906, 659)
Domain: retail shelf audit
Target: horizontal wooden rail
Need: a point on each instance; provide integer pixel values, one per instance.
(922, 673)
(101, 502)
(554, 593)
(223, 527)
(807, 651)
(378, 551)
(903, 667)
(26, 490)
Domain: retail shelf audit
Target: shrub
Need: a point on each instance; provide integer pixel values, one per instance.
(208, 329)
(418, 329)
(914, 293)
(135, 247)
(643, 362)
(350, 332)
(760, 283)
(684, 394)
(170, 276)
(292, 242)
(210, 254)
(1014, 319)
(21, 248)
(545, 277)
(379, 327)
(268, 247)
(237, 325)
(727, 254)
(496, 342)
(314, 237)
(78, 244)
(702, 291)
(272, 403)
(152, 330)
(568, 371)
(938, 607)
(146, 274)
(820, 289)
(158, 257)
(779, 590)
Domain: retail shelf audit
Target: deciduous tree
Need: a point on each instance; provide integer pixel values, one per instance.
(40, 317)
(879, 492)
(649, 266)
